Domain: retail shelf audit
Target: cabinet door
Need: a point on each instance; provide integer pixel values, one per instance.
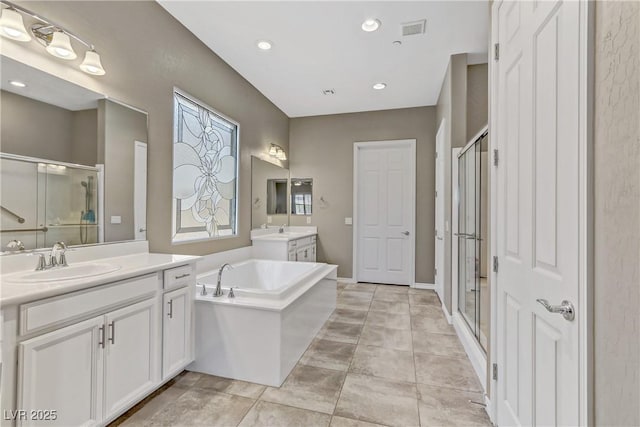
(131, 357)
(176, 333)
(312, 253)
(301, 255)
(62, 371)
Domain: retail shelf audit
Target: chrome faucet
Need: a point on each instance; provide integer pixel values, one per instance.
(281, 229)
(53, 260)
(15, 245)
(62, 260)
(218, 292)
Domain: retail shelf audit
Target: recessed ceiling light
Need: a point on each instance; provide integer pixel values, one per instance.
(264, 44)
(371, 25)
(397, 42)
(379, 86)
(17, 83)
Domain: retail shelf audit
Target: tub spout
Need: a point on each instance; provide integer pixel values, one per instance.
(218, 292)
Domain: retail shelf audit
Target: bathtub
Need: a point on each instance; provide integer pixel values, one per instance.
(260, 335)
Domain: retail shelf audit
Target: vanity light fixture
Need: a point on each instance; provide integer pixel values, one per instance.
(379, 86)
(17, 83)
(277, 152)
(371, 25)
(60, 46)
(12, 26)
(264, 44)
(55, 38)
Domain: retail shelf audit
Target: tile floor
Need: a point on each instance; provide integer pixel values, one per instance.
(387, 356)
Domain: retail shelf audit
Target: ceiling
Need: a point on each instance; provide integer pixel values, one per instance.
(46, 87)
(319, 45)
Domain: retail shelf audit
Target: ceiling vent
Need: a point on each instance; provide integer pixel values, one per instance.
(328, 92)
(413, 28)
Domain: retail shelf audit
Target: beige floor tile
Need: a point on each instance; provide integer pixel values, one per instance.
(389, 320)
(186, 379)
(146, 409)
(308, 387)
(390, 307)
(198, 407)
(341, 332)
(449, 372)
(340, 286)
(441, 406)
(426, 298)
(361, 287)
(348, 422)
(328, 354)
(265, 414)
(430, 319)
(395, 339)
(393, 296)
(348, 316)
(439, 344)
(393, 288)
(354, 300)
(226, 385)
(378, 400)
(384, 363)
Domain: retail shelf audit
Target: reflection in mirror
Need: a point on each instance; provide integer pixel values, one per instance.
(73, 164)
(301, 196)
(269, 184)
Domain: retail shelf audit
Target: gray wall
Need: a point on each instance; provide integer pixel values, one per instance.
(617, 214)
(122, 127)
(35, 129)
(477, 98)
(84, 149)
(146, 52)
(452, 106)
(322, 149)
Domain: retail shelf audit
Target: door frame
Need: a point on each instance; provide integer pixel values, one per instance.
(440, 177)
(411, 146)
(137, 226)
(585, 246)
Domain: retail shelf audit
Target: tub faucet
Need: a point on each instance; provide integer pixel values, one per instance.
(281, 229)
(218, 292)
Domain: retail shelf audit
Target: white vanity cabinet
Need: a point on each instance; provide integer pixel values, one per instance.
(285, 247)
(85, 357)
(303, 250)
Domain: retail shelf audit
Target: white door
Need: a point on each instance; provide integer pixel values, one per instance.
(140, 190)
(440, 214)
(176, 344)
(131, 355)
(62, 371)
(385, 211)
(538, 186)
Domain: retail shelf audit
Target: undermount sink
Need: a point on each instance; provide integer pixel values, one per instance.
(65, 273)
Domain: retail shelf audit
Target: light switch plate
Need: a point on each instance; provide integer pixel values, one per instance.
(308, 220)
(348, 221)
(116, 219)
(269, 220)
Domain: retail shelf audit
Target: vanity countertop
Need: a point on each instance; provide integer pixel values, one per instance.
(290, 233)
(132, 265)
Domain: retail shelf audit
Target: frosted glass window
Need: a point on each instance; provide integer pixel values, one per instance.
(205, 172)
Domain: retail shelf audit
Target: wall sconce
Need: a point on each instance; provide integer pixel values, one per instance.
(277, 152)
(55, 38)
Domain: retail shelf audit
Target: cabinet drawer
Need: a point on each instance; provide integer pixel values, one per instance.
(179, 277)
(305, 241)
(41, 314)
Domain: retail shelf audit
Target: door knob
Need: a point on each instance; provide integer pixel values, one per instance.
(406, 233)
(565, 308)
(142, 230)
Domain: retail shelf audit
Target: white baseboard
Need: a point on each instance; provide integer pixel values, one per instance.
(429, 286)
(489, 409)
(346, 280)
(446, 313)
(472, 348)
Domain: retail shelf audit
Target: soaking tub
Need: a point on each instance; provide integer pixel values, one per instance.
(260, 335)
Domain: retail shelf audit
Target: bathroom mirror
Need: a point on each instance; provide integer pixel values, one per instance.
(301, 196)
(269, 193)
(73, 164)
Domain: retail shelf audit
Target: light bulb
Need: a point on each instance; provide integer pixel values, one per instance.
(12, 26)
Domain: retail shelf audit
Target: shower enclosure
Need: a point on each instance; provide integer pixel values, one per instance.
(473, 286)
(44, 202)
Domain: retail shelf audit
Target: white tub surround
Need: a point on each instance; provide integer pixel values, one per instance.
(293, 244)
(91, 348)
(260, 335)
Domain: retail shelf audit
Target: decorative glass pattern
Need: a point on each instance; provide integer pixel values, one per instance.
(205, 172)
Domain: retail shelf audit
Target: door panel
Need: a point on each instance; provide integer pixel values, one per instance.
(385, 181)
(68, 361)
(176, 350)
(538, 130)
(131, 363)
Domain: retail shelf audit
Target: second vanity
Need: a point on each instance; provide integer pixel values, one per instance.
(292, 244)
(82, 351)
